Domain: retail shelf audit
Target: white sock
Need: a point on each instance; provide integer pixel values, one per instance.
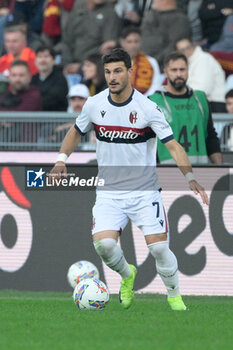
(166, 265)
(112, 255)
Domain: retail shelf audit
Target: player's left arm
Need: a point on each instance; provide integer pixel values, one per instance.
(179, 155)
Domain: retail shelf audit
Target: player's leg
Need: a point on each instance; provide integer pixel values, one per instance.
(106, 246)
(106, 213)
(150, 216)
(167, 268)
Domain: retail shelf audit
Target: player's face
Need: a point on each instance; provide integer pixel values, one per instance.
(177, 74)
(19, 78)
(117, 76)
(132, 44)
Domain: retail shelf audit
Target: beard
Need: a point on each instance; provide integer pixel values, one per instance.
(19, 87)
(117, 92)
(178, 84)
(120, 89)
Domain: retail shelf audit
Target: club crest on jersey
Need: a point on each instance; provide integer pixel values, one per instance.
(133, 117)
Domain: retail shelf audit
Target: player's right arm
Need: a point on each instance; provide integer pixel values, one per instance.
(71, 140)
(69, 144)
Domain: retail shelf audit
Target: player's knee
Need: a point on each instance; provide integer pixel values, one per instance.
(166, 262)
(158, 249)
(104, 247)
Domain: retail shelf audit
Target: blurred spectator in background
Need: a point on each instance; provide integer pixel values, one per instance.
(6, 7)
(146, 76)
(33, 12)
(55, 20)
(66, 6)
(188, 113)
(161, 27)
(225, 42)
(131, 11)
(77, 96)
(229, 82)
(182, 4)
(18, 19)
(50, 81)
(195, 22)
(222, 50)
(51, 29)
(141, 6)
(15, 43)
(21, 96)
(93, 74)
(229, 128)
(4, 82)
(229, 102)
(205, 74)
(225, 59)
(212, 14)
(90, 29)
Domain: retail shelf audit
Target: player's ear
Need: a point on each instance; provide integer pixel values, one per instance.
(130, 71)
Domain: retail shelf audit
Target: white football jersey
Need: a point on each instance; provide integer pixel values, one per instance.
(126, 141)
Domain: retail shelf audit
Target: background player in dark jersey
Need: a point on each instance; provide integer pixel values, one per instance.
(122, 143)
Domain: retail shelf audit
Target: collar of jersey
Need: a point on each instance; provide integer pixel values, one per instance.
(187, 94)
(121, 103)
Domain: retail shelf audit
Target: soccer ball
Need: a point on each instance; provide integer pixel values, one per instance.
(81, 270)
(91, 294)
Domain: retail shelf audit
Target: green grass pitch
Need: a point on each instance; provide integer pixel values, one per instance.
(47, 321)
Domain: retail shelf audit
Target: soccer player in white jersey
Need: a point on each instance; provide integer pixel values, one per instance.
(126, 125)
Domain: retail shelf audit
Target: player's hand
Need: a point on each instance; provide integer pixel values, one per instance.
(59, 170)
(198, 189)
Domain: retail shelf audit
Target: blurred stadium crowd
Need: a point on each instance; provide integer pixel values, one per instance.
(50, 54)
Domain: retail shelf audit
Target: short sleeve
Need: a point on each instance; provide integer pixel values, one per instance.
(159, 125)
(83, 122)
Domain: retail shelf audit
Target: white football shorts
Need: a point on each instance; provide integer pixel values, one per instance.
(146, 212)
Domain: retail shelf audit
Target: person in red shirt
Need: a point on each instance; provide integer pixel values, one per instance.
(15, 43)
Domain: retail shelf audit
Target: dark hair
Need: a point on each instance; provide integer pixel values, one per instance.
(229, 94)
(174, 56)
(129, 30)
(96, 59)
(43, 48)
(20, 63)
(118, 55)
